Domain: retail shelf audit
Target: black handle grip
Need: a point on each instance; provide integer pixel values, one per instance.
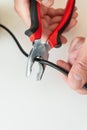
(34, 18)
(85, 86)
(35, 31)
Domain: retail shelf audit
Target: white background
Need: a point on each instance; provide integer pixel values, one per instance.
(29, 105)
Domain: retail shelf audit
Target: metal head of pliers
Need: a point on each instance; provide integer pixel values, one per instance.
(40, 50)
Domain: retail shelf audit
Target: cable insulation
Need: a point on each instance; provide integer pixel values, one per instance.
(58, 68)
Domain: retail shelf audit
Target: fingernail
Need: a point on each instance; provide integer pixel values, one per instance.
(76, 81)
(44, 1)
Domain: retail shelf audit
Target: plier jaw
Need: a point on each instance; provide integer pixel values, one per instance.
(41, 51)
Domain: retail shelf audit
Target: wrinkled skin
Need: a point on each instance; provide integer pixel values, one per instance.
(76, 65)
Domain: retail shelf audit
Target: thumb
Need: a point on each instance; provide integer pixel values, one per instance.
(77, 77)
(47, 3)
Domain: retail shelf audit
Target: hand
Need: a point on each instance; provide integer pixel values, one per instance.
(50, 16)
(76, 65)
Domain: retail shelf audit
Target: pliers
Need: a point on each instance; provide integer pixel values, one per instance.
(41, 50)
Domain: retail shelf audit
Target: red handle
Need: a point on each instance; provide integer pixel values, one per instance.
(35, 31)
(54, 38)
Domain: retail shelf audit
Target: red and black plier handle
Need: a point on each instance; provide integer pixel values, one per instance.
(35, 31)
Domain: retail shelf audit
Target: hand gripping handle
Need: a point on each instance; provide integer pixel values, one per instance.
(35, 30)
(54, 39)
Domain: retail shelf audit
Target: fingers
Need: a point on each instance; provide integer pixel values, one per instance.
(49, 28)
(59, 16)
(55, 12)
(63, 39)
(74, 49)
(46, 21)
(60, 12)
(76, 44)
(82, 91)
(55, 19)
(77, 77)
(73, 23)
(64, 65)
(75, 15)
(74, 79)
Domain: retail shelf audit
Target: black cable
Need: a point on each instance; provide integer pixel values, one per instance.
(15, 39)
(36, 59)
(58, 68)
(42, 61)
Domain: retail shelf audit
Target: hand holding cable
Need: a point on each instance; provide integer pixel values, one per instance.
(76, 65)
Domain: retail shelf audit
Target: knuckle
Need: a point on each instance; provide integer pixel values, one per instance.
(76, 39)
(75, 88)
(82, 65)
(73, 43)
(81, 68)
